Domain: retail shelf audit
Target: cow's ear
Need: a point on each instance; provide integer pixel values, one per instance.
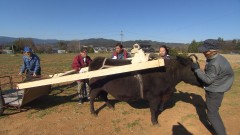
(183, 60)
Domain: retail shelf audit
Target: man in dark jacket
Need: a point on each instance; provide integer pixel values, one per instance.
(80, 61)
(120, 53)
(217, 78)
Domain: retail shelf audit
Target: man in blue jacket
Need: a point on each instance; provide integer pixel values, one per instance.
(31, 63)
(218, 78)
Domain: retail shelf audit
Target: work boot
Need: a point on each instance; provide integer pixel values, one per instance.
(80, 101)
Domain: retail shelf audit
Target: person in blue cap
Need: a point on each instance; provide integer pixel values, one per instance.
(217, 78)
(31, 63)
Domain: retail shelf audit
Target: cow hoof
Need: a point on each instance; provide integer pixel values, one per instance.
(94, 114)
(111, 107)
(156, 125)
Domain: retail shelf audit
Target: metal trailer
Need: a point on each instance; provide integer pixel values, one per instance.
(17, 98)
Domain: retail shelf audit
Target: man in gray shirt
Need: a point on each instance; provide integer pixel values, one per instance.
(217, 79)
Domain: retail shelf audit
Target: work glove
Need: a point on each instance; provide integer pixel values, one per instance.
(195, 64)
(82, 71)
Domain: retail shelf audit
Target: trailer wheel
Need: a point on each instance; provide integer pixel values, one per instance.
(1, 104)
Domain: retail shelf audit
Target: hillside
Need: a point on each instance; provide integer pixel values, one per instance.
(92, 41)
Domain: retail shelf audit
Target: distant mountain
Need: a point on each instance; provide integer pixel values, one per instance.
(97, 42)
(6, 40)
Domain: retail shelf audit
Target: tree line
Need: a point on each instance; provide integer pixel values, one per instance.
(228, 46)
(71, 47)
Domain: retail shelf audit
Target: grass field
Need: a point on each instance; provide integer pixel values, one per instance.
(50, 63)
(59, 113)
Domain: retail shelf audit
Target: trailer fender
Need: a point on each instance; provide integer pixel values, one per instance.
(1, 104)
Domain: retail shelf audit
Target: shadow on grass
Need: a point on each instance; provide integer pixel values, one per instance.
(61, 88)
(191, 98)
(140, 104)
(112, 102)
(194, 99)
(49, 101)
(54, 98)
(180, 130)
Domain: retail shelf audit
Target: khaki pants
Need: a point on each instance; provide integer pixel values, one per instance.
(83, 89)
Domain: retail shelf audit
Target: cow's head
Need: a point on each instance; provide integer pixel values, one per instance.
(186, 72)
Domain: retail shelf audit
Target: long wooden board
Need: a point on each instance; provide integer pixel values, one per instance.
(62, 74)
(85, 69)
(96, 73)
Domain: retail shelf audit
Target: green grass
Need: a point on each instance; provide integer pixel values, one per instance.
(189, 116)
(3, 116)
(125, 112)
(134, 123)
(50, 63)
(231, 97)
(41, 113)
(116, 122)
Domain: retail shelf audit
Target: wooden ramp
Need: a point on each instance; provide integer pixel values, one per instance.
(92, 74)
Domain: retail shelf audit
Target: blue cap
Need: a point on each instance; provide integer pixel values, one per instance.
(27, 49)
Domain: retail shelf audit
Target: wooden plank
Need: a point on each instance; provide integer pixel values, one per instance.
(67, 72)
(62, 74)
(96, 73)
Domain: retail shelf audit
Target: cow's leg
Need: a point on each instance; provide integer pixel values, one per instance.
(105, 98)
(93, 95)
(161, 107)
(165, 98)
(154, 104)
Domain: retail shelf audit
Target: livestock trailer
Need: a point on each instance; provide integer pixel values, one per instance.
(17, 98)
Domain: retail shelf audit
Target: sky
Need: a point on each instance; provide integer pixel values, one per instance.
(158, 20)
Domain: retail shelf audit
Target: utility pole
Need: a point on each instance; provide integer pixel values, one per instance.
(12, 49)
(79, 46)
(121, 34)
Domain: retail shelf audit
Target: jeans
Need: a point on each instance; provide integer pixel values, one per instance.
(213, 102)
